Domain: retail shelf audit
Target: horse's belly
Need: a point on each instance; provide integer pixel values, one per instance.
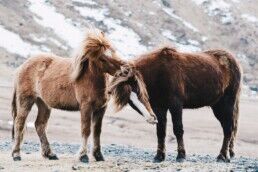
(59, 96)
(196, 100)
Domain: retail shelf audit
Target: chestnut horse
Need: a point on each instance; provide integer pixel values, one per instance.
(75, 84)
(177, 80)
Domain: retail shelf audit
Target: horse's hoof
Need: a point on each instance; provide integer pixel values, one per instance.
(180, 157)
(159, 157)
(84, 158)
(222, 158)
(52, 157)
(232, 154)
(17, 158)
(98, 156)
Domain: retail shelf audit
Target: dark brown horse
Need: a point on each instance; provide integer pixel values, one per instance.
(177, 80)
(77, 84)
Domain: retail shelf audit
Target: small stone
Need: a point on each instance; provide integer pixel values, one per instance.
(75, 167)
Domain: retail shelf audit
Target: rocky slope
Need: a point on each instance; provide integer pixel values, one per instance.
(31, 26)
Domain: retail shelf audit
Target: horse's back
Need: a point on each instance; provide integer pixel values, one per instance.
(46, 76)
(35, 66)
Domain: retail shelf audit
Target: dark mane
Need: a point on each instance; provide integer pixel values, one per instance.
(119, 88)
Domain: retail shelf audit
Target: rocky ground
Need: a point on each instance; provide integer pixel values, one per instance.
(129, 143)
(31, 26)
(118, 158)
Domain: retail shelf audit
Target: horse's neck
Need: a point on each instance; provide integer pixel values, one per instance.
(94, 69)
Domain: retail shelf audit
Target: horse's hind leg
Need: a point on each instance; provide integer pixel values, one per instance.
(97, 124)
(40, 125)
(233, 138)
(24, 105)
(223, 111)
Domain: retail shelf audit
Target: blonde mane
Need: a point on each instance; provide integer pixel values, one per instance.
(92, 47)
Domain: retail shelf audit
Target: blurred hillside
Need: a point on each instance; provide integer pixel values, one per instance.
(31, 26)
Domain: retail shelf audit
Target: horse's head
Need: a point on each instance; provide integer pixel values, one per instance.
(108, 62)
(128, 87)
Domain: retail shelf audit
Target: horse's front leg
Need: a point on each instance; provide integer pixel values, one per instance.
(176, 114)
(161, 114)
(86, 113)
(97, 124)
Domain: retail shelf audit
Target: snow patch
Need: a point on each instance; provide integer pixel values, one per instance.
(168, 35)
(89, 2)
(249, 18)
(218, 8)
(13, 43)
(124, 38)
(152, 13)
(190, 46)
(193, 42)
(45, 49)
(47, 16)
(199, 2)
(235, 1)
(187, 24)
(38, 39)
(204, 38)
(97, 14)
(57, 43)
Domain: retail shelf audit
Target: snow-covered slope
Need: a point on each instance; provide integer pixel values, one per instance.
(32, 26)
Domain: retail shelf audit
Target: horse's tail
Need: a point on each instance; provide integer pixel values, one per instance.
(14, 110)
(93, 46)
(235, 82)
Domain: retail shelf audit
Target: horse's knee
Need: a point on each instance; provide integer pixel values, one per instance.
(86, 131)
(178, 130)
(39, 127)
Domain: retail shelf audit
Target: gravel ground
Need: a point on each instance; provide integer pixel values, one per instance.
(118, 158)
